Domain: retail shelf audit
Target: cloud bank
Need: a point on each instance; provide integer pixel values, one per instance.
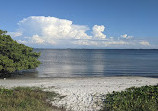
(52, 32)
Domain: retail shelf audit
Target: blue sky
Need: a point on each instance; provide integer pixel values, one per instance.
(82, 23)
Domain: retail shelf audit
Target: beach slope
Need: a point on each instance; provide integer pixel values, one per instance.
(81, 94)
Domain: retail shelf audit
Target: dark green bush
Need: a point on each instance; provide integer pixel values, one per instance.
(15, 56)
(144, 98)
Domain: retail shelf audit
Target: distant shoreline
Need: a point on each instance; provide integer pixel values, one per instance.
(87, 49)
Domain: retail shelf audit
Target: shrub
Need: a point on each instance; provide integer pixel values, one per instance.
(144, 98)
(15, 56)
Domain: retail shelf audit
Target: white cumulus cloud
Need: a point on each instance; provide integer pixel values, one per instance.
(55, 32)
(48, 28)
(98, 31)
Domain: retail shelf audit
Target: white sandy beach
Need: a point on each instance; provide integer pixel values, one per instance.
(82, 94)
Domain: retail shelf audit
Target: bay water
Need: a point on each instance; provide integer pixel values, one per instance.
(96, 63)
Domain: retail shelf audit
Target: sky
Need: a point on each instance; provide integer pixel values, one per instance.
(117, 24)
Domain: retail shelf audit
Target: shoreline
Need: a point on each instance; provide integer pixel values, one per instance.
(23, 77)
(81, 93)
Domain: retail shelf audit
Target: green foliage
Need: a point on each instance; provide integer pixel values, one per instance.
(26, 99)
(15, 56)
(144, 98)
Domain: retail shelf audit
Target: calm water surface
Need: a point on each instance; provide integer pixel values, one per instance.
(91, 63)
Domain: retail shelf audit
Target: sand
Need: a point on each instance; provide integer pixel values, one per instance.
(81, 94)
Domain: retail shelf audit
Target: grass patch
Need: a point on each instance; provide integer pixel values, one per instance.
(26, 99)
(144, 98)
